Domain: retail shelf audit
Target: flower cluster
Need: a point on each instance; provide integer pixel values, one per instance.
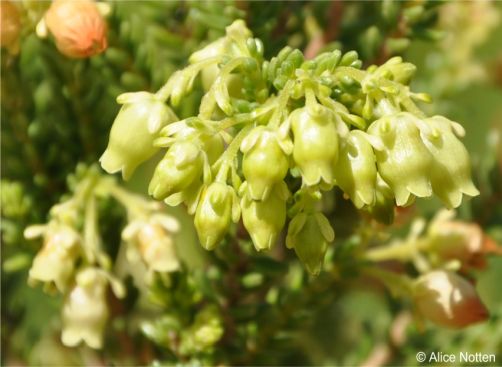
(73, 262)
(272, 135)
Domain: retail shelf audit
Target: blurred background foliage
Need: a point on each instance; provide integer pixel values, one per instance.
(250, 308)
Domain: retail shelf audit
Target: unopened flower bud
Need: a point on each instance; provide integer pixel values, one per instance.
(355, 171)
(401, 72)
(309, 234)
(264, 163)
(226, 45)
(181, 165)
(56, 260)
(404, 162)
(222, 46)
(448, 300)
(10, 26)
(217, 207)
(315, 144)
(133, 132)
(451, 169)
(264, 219)
(207, 328)
(85, 311)
(78, 27)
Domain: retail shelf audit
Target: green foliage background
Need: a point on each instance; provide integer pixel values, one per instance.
(57, 112)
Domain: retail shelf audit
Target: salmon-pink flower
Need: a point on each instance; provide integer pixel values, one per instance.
(78, 27)
(10, 26)
(448, 300)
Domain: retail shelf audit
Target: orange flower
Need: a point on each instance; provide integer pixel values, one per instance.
(78, 27)
(10, 24)
(448, 300)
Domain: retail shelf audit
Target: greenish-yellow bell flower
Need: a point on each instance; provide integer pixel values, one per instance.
(315, 148)
(264, 219)
(355, 171)
(211, 148)
(55, 262)
(404, 162)
(451, 169)
(211, 144)
(133, 132)
(85, 310)
(309, 234)
(217, 206)
(264, 163)
(181, 165)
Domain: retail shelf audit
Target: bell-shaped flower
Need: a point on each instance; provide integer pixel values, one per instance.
(151, 239)
(55, 262)
(403, 162)
(211, 147)
(211, 144)
(451, 169)
(217, 206)
(264, 163)
(264, 219)
(315, 148)
(133, 132)
(78, 27)
(85, 311)
(180, 167)
(448, 300)
(355, 171)
(309, 234)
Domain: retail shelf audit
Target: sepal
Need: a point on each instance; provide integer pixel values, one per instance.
(309, 234)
